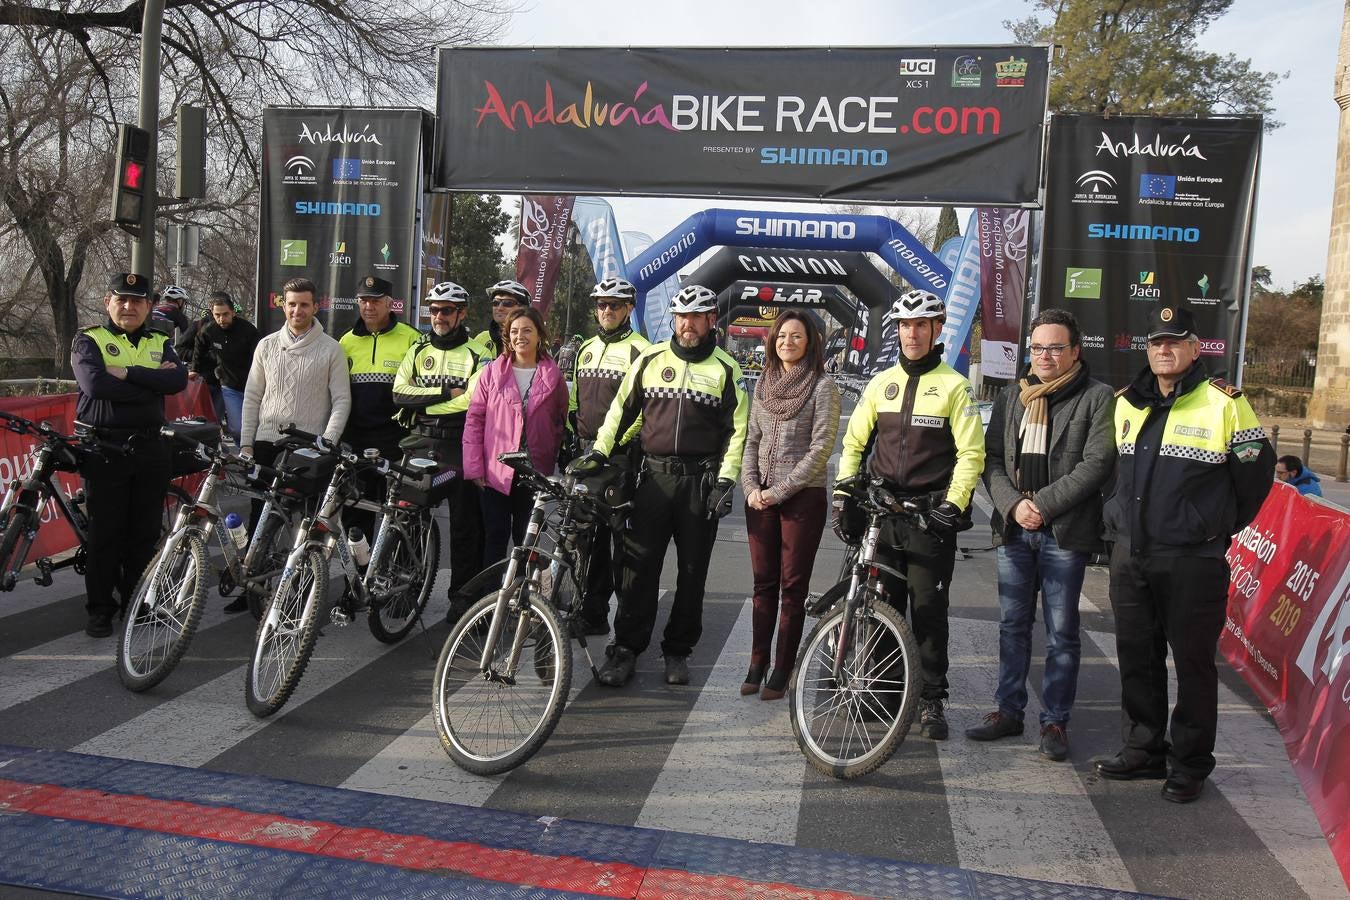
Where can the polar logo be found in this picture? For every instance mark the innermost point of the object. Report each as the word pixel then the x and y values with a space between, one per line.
pixel 767 294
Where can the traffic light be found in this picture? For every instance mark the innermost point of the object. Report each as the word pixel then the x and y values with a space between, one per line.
pixel 130 181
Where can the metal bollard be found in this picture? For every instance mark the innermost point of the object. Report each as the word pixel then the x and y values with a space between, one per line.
pixel 1275 439
pixel 1345 450
pixel 1307 447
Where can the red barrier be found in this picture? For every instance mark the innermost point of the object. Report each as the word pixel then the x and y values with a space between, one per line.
pixel 1288 634
pixel 55 535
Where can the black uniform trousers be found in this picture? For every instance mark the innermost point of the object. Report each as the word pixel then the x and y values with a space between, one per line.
pixel 125 496
pixel 1176 602
pixel 602 572
pixel 927 561
pixel 466 519
pixel 666 506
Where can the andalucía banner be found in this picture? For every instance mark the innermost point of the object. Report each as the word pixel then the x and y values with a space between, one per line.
pixel 1146 209
pixel 895 124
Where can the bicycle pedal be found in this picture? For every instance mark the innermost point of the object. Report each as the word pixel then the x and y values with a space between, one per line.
pixel 340 617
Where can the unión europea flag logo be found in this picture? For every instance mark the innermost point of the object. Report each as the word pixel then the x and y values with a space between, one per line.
pixel 1157 187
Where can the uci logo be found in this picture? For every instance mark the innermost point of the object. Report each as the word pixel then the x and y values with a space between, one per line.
pixel 112 349
pixel 668 374
pixel 892 391
pixel 428 363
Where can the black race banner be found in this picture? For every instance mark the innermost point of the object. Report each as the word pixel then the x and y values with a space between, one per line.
pixel 1142 209
pixel 894 124
pixel 341 191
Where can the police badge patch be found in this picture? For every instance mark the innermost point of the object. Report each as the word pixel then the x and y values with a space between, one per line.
pixel 668 374
pixel 428 363
pixel 586 358
pixel 892 391
pixel 1247 452
pixel 112 349
pixel 1125 430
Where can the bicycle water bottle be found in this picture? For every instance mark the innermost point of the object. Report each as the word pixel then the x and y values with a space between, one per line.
pixel 238 531
pixel 360 547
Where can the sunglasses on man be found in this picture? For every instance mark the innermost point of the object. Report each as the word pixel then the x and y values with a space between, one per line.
pixel 609 304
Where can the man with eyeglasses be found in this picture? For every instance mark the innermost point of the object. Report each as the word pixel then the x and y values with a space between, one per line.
pixel 375 348
pixel 1048 452
pixel 599 367
pixel 1195 467
pixel 432 391
pixel 505 296
pixel 124 369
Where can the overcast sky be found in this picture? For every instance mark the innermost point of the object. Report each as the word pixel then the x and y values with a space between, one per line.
pixel 1300 37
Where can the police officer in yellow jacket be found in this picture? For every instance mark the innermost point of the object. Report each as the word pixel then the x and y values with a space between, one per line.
pixel 124 370
pixel 922 425
pixel 693 408
pixel 1194 468
pixel 504 296
pixel 432 390
pixel 375 348
pixel 600 365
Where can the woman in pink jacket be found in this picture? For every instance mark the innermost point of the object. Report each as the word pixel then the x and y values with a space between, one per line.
pixel 519 403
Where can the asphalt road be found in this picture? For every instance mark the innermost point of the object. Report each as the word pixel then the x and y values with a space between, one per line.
pixel 700 758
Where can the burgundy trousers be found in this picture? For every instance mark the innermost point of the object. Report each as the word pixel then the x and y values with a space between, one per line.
pixel 783 544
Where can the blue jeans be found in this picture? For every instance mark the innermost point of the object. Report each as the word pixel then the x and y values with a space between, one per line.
pixel 234 410
pixel 1030 562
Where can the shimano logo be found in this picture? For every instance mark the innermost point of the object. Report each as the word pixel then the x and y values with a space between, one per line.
pixel 757 226
pixel 1190 235
pixel 321 208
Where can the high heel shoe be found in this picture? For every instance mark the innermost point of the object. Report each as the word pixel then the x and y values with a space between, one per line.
pixel 752 681
pixel 776 687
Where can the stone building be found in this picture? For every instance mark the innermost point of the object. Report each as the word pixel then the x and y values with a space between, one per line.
pixel 1330 404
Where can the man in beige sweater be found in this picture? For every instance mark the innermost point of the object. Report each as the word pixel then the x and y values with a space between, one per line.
pixel 299 376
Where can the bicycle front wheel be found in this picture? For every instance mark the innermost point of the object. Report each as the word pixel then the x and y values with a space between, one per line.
pixel 263 562
pixel 165 611
pixel 850 725
pixel 14 545
pixel 490 722
pixel 407 564
pixel 286 635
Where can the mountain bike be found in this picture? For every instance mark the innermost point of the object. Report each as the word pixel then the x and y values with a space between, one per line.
pixel 291 621
pixel 856 683
pixel 39 497
pixel 167 604
pixel 504 673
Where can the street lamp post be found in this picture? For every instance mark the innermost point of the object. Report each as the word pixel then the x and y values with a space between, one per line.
pixel 143 247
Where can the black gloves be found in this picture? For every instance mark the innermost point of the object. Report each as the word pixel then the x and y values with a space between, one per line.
pixel 587 463
pixel 847 520
pixel 945 519
pixel 719 498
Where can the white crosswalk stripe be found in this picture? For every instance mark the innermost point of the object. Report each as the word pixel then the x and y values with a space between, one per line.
pixel 730 767
pixel 70 658
pixel 735 770
pixel 1254 775
pixel 1013 811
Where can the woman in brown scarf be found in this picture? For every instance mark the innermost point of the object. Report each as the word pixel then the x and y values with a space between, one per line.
pixel 793 424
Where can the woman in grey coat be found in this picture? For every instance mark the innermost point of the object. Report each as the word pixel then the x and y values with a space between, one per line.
pixel 793 424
